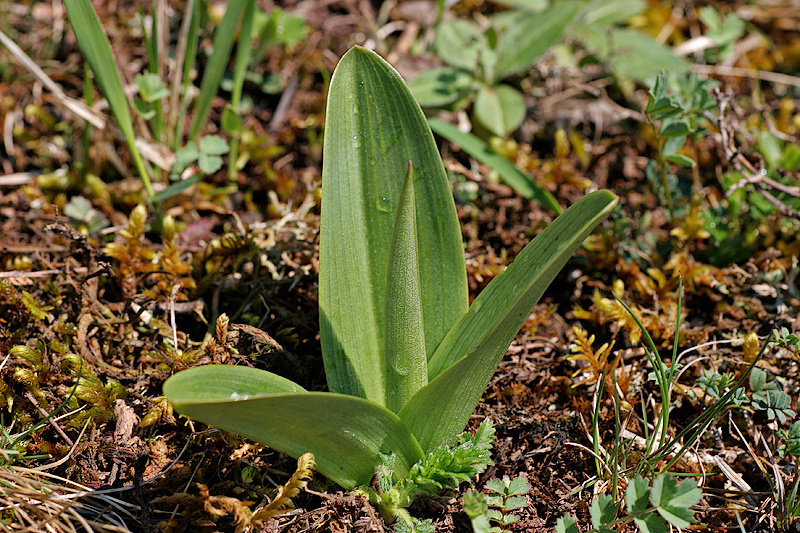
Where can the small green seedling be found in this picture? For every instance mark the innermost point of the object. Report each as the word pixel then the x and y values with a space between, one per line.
pixel 445 468
pixel 406 357
pixel 649 508
pixel 507 495
pixel 768 397
pixel 675 116
pixel 478 59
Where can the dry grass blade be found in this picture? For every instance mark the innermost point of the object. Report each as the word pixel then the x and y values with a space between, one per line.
pixel 30 503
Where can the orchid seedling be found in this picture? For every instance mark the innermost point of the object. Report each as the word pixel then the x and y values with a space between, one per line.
pixel 406 357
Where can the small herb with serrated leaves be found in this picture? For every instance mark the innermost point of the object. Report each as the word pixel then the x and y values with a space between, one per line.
pixel 670 500
pixel 443 468
pixel 507 495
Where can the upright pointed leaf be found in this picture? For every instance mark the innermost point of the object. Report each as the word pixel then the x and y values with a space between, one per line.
pixel 532 35
pixel 407 362
pixel 95 48
pixel 373 129
pixel 464 363
pixel 345 434
pixel 224 36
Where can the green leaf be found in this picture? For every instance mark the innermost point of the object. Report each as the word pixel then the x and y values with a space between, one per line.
pixel 224 36
pixel 633 53
pixel 500 109
pixel 651 523
pixel 231 121
pixel 603 510
pixel 662 108
pixel 673 500
pixel 459 43
pixel 469 354
pixel 213 145
pixel 144 109
pixel 758 378
pixel 151 88
pixel 441 86
pixel 176 188
pixel 97 51
pixel 209 163
pixel 636 495
pixel 280 28
pixel 567 524
pixel 507 171
pixel 681 160
pixel 184 157
pixel 770 147
pixel 496 485
pixel 531 36
pixel 605 13
pixel 519 485
pixel 536 6
pixel 346 434
pixel 515 502
pixel 374 128
pixel 675 129
pixel 673 144
pixel 484 436
pixel 407 368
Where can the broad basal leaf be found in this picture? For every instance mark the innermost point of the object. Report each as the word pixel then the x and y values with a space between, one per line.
pixel 464 363
pixel 373 129
pixel 345 434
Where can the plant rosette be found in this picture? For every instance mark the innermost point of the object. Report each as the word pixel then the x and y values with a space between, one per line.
pixel 406 357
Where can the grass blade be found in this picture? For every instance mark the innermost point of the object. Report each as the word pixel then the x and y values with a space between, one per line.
pixel 97 51
pixel 217 64
pixel 514 177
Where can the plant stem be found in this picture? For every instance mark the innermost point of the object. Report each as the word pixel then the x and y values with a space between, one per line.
pixel 662 162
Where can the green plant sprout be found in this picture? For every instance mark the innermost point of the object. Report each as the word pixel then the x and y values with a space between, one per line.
pixel 678 118
pixel 478 59
pixel 406 357
pixel 445 468
pixel 650 508
pixel 154 89
pixel 785 339
pixel 507 495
